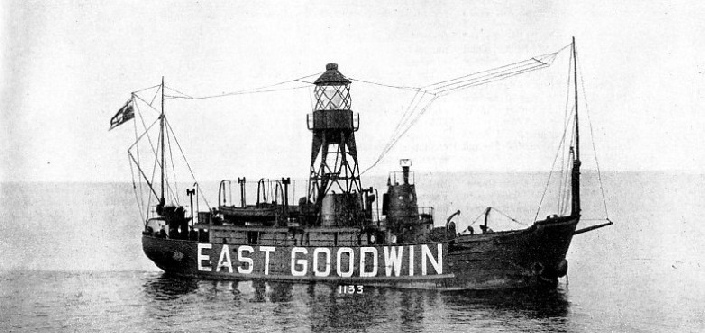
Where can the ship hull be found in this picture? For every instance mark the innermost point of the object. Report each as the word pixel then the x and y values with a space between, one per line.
pixel 532 257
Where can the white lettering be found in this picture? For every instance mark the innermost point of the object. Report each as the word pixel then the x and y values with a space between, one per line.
pixel 249 261
pixel 224 260
pixel 301 262
pixel 426 254
pixel 266 250
pixel 411 260
pixel 363 251
pixel 351 262
pixel 203 257
pixel 392 259
pixel 316 271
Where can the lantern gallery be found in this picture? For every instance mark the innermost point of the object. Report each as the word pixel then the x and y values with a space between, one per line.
pixel 322 262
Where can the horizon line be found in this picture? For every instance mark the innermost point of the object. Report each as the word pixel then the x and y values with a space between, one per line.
pixel 684 172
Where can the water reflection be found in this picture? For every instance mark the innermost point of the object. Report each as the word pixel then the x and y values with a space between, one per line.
pixel 322 307
pixel 281 292
pixel 260 291
pixel 331 310
pixel 520 310
pixel 412 310
pixel 532 303
pixel 166 287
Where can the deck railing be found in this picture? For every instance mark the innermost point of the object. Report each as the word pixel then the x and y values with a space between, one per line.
pixel 269 191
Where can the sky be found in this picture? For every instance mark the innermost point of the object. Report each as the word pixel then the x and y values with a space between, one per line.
pixel 68 66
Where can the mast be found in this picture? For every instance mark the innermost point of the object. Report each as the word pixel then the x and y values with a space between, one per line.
pixel 162 200
pixel 575 175
pixel 575 84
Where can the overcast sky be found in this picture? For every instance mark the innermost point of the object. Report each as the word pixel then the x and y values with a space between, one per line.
pixel 67 67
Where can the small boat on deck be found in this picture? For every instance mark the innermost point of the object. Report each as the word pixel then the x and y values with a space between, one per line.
pixel 337 232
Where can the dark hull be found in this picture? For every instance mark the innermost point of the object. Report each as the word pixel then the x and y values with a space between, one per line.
pixel 532 257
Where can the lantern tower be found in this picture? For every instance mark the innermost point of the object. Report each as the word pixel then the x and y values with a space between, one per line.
pixel 334 167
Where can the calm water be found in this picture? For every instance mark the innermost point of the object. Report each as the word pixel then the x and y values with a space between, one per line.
pixel 72 261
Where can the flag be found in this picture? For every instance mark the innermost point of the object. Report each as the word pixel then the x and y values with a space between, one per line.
pixel 123 115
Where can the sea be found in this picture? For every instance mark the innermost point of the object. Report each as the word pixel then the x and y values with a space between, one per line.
pixel 71 261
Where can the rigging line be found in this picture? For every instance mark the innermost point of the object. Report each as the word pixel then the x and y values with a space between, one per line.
pixel 408 108
pixel 141 172
pixel 143 134
pixel 480 78
pixel 568 195
pixel 565 123
pixel 402 134
pixel 564 195
pixel 564 165
pixel 595 219
pixel 145 102
pixel 547 55
pixel 156 160
pixel 405 117
pixel 146 180
pixel 140 200
pixel 490 73
pixel 468 75
pixel 187 163
pixel 592 134
pixel 567 92
pixel 394 140
pixel 136 144
pixel 531 61
pixel 507 216
pixel 539 61
pixel 559 199
pixel 155 95
pixel 413 122
pixel 307 76
pixel 548 182
pixel 151 187
pixel 477 218
pixel 134 187
pixel 440 93
pixel 244 91
pixel 174 90
pixel 424 99
pixel 154 168
pixel 443 93
pixel 149 138
pixel 547 61
pixel 253 91
pixel 174 195
pixel 417 89
pixel 405 122
pixel 521 69
pixel 152 87
pixel 496 78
